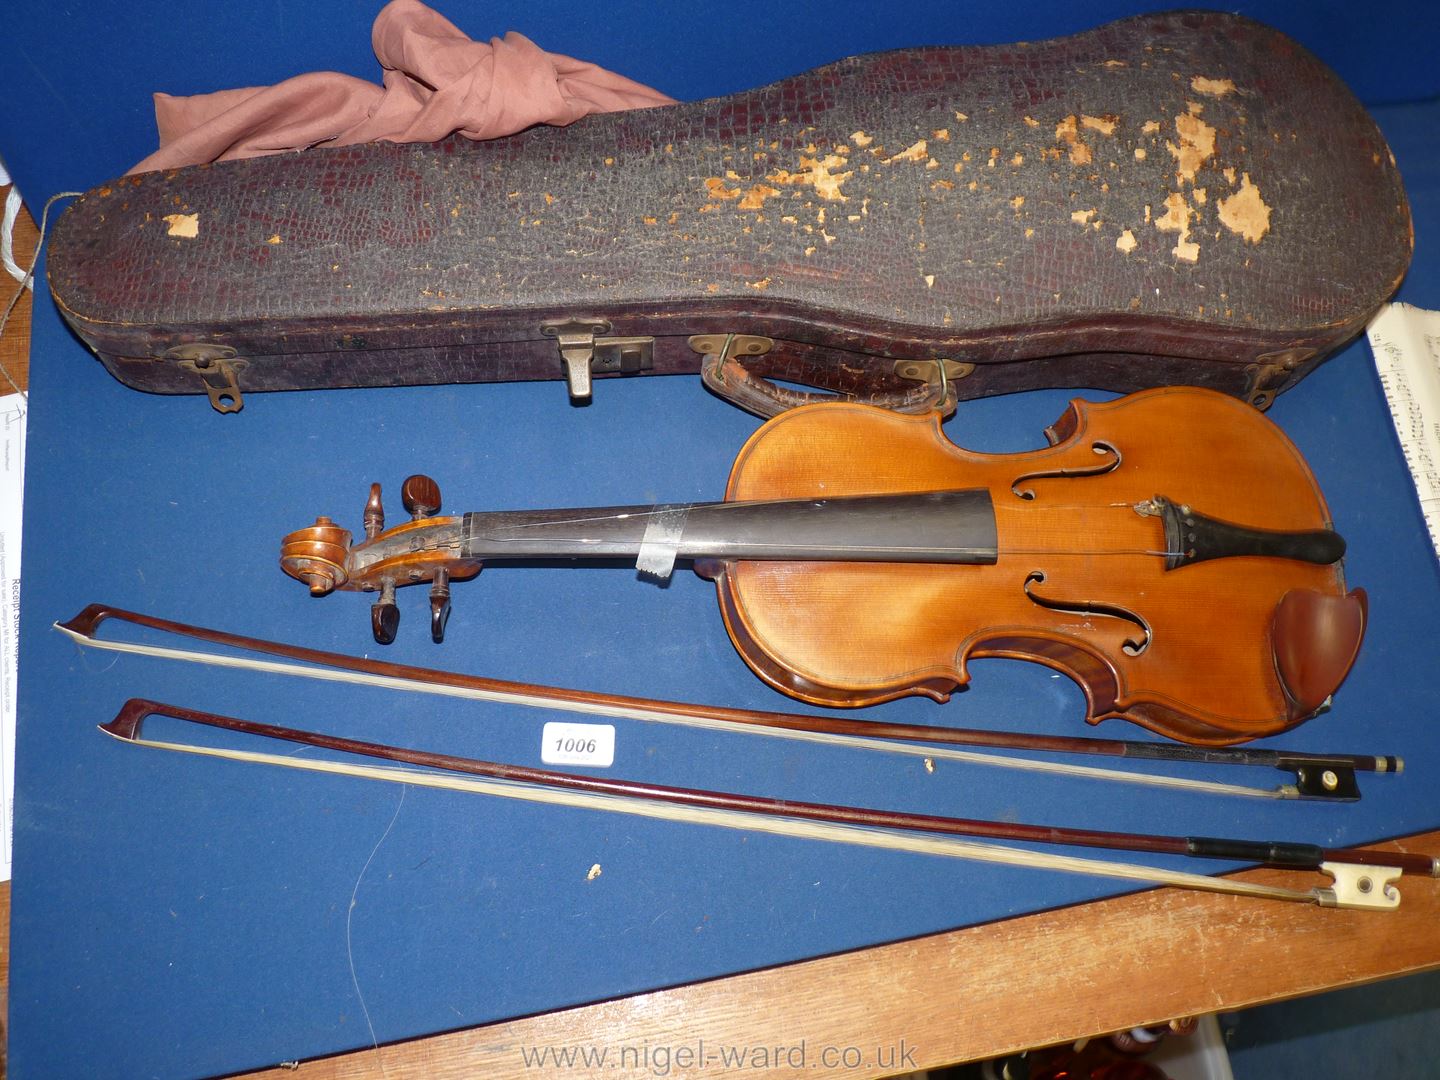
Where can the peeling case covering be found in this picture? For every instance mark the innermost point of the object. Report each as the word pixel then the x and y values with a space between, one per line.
pixel 1179 198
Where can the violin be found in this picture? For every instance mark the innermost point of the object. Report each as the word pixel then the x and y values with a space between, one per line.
pixel 1170 551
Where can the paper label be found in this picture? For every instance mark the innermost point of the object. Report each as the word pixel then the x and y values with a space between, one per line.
pixel 592 745
pixel 1405 341
pixel 12 486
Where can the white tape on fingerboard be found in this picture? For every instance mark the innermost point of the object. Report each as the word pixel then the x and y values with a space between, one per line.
pixel 661 543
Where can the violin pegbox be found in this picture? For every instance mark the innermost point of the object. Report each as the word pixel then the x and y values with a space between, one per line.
pixel 425 548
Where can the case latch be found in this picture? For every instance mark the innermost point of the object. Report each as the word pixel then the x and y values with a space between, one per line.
pixel 584 350
pixel 943 370
pixel 1270 372
pixel 219 370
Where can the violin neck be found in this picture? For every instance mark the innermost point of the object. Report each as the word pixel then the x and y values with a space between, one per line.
pixel 927 527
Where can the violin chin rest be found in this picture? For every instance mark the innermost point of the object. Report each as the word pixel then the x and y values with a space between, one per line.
pixel 1315 637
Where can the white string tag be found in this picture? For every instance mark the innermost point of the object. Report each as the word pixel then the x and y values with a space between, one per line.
pixel 7 239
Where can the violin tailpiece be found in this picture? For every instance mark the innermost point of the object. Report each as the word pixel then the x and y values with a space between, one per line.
pixel 1192 537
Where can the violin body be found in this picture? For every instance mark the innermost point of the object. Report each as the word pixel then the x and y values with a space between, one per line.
pixel 1170 551
pixel 1194 653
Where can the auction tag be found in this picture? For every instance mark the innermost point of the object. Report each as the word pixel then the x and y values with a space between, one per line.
pixel 578 744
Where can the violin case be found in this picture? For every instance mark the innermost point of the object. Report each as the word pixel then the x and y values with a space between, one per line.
pixel 1174 198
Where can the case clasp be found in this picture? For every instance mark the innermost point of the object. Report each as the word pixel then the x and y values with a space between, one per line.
pixel 584 349
pixel 219 370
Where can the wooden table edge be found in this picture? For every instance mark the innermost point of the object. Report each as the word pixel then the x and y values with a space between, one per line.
pixel 968 994
pixel 15 342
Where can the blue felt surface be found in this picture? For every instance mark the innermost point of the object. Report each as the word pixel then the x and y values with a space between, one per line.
pixel 174 916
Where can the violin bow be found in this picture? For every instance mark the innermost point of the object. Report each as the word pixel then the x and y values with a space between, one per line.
pixel 1362 878
pixel 1317 776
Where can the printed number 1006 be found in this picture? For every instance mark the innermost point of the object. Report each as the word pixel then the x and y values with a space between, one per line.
pixel 578 744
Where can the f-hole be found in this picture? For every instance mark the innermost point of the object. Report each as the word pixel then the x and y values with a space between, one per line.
pixel 1131 647
pixel 1111 462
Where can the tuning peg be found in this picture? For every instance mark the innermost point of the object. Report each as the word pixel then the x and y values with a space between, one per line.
pixel 385 615
pixel 420 495
pixel 374 514
pixel 439 605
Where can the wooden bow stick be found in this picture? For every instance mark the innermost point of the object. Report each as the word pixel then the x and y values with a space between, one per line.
pixel 1362 878
pixel 1317 776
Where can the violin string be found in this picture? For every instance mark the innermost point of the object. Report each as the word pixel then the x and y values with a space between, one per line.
pixel 587 519
pixel 1068 506
pixel 841 548
pixel 846 549
pixel 349 927
pixel 660 508
pixel 769 546
pixel 1093 551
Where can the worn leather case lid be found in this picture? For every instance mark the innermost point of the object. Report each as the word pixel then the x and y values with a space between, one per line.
pixel 1180 185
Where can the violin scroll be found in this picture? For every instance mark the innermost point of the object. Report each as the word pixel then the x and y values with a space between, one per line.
pixel 425 548
pixel 317 556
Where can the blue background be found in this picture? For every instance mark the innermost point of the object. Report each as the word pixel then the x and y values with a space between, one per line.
pixel 176 916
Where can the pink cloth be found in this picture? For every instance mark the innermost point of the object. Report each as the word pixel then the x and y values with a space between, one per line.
pixel 437 82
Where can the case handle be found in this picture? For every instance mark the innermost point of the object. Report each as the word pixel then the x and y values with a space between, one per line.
pixel 737 384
